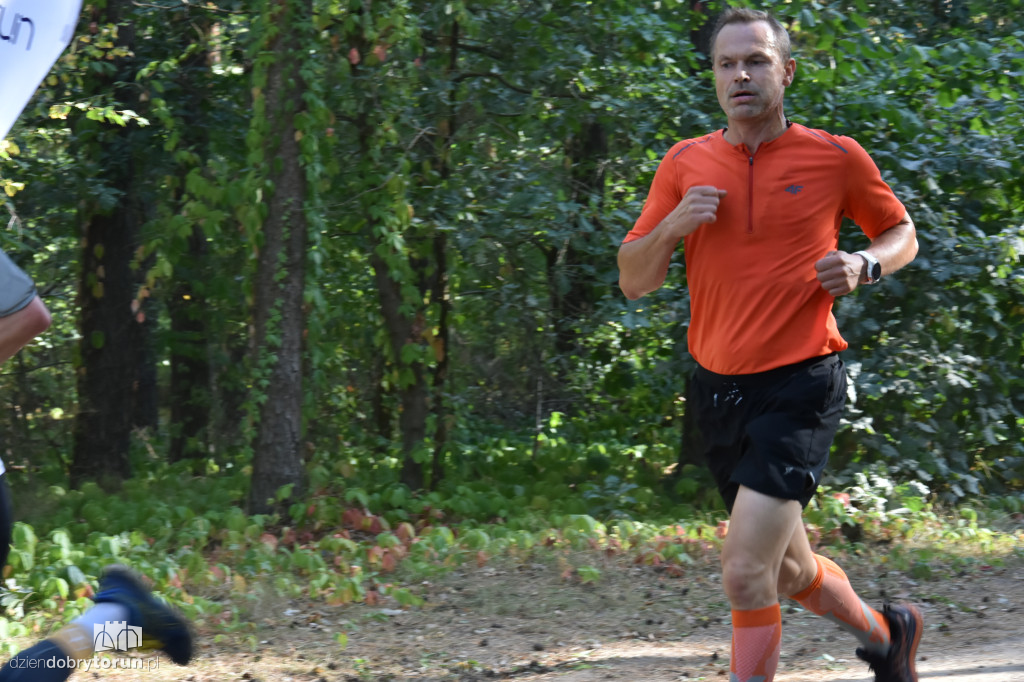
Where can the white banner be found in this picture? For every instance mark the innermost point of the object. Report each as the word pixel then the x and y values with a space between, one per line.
pixel 33 33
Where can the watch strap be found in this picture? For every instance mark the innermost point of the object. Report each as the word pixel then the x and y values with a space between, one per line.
pixel 874 268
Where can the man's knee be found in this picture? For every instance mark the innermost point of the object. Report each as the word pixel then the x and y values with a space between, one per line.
pixel 748 581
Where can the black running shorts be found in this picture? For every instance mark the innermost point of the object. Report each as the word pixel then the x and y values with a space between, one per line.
pixel 770 431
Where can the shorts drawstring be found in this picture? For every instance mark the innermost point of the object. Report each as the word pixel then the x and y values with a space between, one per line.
pixel 732 395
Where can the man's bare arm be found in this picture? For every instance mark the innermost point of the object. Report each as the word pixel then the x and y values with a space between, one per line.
pixel 896 247
pixel 840 272
pixel 19 328
pixel 643 263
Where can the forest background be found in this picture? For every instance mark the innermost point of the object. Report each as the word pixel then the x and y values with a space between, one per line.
pixel 316 263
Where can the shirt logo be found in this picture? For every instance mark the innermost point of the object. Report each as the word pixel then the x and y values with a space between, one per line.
pixel 794 189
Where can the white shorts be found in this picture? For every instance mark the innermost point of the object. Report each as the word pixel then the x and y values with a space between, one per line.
pixel 16 288
pixel 16 291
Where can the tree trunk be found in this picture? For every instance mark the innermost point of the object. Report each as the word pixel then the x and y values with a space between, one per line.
pixel 190 365
pixel 110 347
pixel 147 385
pixel 190 392
pixel 421 266
pixel 413 390
pixel 280 279
pixel 439 401
pixel 439 292
pixel 380 413
pixel 700 36
pixel 571 286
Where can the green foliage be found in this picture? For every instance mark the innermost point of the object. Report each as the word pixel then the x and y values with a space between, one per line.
pixel 416 143
pixel 471 170
pixel 347 544
pixel 936 350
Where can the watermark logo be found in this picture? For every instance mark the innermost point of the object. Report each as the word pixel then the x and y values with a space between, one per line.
pixel 84 664
pixel 116 635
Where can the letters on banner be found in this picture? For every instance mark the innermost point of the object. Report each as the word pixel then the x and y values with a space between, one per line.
pixel 33 33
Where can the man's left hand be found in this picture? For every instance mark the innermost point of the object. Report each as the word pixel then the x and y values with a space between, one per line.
pixel 840 272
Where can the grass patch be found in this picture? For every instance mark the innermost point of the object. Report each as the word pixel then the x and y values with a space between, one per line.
pixel 377 543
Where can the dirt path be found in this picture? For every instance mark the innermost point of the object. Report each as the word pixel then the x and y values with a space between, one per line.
pixel 524 622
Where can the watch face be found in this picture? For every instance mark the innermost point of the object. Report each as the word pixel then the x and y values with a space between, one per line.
pixel 876 271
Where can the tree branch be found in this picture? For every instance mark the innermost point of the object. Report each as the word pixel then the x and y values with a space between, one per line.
pixel 515 88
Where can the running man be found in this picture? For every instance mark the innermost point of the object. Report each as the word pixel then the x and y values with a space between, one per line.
pixel 758 207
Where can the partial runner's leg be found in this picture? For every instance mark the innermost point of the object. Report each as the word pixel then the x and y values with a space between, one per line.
pixel 44 662
pixel 760 528
pixel 888 638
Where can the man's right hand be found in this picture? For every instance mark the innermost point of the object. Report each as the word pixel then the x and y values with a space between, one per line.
pixel 698 206
pixel 643 263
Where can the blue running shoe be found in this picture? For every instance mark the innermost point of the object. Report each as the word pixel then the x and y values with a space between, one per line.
pixel 162 627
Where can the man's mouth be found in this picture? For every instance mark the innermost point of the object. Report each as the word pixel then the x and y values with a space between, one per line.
pixel 742 96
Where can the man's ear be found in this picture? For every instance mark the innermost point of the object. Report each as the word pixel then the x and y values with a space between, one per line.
pixel 790 73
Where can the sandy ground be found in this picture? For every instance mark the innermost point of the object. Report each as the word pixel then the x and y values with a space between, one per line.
pixel 531 622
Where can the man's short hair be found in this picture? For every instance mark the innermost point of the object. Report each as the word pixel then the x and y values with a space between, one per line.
pixel 739 15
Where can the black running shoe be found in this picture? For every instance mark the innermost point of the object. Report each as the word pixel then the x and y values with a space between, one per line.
pixel 162 627
pixel 905 626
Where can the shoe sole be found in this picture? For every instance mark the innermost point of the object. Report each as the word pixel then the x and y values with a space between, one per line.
pixel 918 620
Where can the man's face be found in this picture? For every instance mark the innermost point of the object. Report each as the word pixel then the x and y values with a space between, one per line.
pixel 750 76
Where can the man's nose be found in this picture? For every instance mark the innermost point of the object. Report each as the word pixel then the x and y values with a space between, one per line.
pixel 742 75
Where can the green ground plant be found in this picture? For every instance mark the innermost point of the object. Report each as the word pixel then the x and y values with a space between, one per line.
pixel 366 538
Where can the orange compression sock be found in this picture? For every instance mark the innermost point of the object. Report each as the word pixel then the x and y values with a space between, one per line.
pixel 756 635
pixel 831 595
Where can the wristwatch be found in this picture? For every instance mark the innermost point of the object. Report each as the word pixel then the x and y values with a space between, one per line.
pixel 873 271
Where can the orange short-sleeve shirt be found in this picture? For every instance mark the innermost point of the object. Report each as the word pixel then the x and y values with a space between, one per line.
pixel 755 300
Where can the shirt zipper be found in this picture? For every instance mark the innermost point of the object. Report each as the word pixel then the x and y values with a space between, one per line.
pixel 750 196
